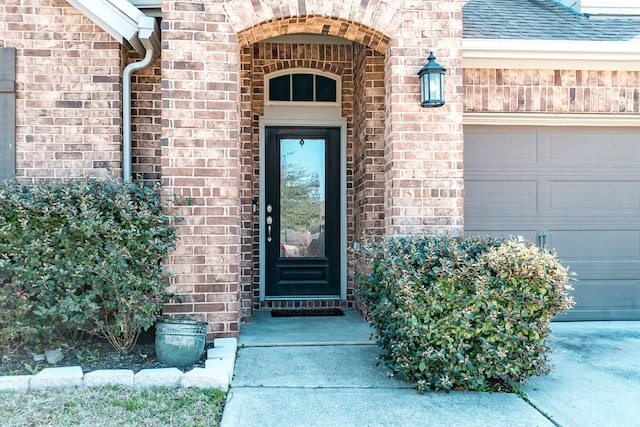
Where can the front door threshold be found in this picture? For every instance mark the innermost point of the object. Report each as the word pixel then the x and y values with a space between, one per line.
pixel 304 298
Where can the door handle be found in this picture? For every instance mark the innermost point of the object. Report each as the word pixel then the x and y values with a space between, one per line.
pixel 542 237
pixel 269 222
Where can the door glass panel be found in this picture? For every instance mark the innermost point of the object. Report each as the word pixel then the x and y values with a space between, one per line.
pixel 302 197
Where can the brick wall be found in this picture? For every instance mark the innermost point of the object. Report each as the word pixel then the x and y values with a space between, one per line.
pixel 68 90
pixel 368 174
pixel 250 189
pixel 146 122
pixel 423 151
pixel 404 162
pixel 552 91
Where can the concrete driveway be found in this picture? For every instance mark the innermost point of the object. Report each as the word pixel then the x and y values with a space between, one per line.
pixel 596 380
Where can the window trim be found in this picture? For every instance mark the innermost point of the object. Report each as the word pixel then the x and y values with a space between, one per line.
pixel 291 71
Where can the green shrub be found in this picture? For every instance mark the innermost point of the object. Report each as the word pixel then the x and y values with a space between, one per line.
pixel 463 312
pixel 15 309
pixel 88 253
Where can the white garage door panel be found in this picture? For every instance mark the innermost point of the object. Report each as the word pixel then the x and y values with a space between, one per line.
pixel 604 271
pixel 514 147
pixel 619 294
pixel 596 245
pixel 581 187
pixel 591 296
pixel 500 195
pixel 596 196
pixel 587 147
pixel 530 235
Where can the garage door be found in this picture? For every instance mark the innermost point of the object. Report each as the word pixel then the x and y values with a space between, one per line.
pixel 575 189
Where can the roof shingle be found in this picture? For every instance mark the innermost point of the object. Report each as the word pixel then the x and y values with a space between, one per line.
pixel 540 20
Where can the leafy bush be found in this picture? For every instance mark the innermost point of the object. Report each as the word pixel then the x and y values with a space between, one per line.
pixel 15 308
pixel 463 312
pixel 88 253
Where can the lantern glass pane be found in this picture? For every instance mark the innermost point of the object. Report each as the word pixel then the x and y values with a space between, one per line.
pixel 434 87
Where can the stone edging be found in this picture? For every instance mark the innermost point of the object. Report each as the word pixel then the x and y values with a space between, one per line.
pixel 217 373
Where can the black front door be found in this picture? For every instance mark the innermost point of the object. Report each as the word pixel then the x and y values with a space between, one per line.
pixel 302 212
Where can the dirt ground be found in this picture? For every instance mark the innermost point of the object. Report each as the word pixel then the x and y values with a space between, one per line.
pixel 91 354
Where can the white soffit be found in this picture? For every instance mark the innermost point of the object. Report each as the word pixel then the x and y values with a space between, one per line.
pixel 551 54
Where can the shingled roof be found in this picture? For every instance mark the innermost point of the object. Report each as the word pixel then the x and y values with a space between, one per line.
pixel 541 20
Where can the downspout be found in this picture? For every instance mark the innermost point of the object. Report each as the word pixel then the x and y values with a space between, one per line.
pixel 126 110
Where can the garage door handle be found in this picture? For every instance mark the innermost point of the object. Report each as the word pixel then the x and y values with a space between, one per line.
pixel 542 238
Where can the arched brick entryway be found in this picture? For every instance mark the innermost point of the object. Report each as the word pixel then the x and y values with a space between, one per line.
pixel 410 159
pixel 361 69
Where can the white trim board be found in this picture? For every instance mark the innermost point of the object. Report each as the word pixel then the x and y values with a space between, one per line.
pixel 551 119
pixel 551 54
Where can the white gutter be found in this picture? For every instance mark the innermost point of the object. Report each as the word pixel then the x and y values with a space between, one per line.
pixel 119 18
pixel 551 54
pixel 128 25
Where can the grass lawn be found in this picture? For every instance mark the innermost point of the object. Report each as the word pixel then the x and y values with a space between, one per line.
pixel 112 406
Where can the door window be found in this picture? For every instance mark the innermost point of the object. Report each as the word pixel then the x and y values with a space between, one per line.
pixel 302 197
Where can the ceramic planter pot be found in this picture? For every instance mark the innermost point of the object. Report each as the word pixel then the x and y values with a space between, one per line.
pixel 180 342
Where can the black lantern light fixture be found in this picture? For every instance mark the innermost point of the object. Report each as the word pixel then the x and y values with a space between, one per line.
pixel 432 83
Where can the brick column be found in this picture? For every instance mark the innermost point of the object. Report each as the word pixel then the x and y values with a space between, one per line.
pixel 200 164
pixel 368 169
pixel 423 151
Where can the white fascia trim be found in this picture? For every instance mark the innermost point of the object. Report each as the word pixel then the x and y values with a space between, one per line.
pixel 552 119
pixel 123 21
pixel 146 3
pixel 551 54
pixel 609 7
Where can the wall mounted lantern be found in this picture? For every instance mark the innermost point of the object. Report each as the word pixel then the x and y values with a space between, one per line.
pixel 432 83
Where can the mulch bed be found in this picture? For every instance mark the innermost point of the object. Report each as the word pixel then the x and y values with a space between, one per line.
pixel 91 354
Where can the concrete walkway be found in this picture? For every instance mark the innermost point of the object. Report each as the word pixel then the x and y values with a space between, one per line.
pixel 323 371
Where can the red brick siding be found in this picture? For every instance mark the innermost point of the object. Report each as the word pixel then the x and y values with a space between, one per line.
pixel 69 124
pixel 552 91
pixel 146 122
pixel 68 111
pixel 368 174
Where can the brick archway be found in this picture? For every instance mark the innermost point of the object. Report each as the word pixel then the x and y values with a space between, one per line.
pixel 320 25
pixel 208 121
pixel 287 64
